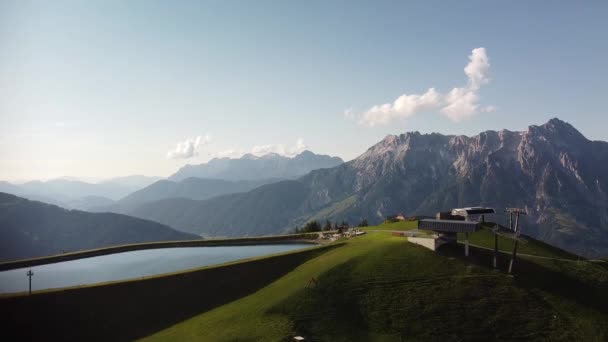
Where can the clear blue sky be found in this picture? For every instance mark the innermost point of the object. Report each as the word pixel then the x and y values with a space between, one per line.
pixel 107 88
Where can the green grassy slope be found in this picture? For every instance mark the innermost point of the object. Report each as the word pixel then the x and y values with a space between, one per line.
pixel 335 210
pixel 399 225
pixel 250 314
pixel 485 238
pixel 380 287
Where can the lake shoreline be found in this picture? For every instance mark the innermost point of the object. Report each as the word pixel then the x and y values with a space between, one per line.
pixel 129 310
pixel 265 240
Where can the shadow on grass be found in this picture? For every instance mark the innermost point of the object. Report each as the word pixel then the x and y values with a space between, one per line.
pixel 538 275
pixel 404 300
pixel 130 310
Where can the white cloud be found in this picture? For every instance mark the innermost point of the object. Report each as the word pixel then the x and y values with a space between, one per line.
pixel 260 150
pixel 458 104
pixel 265 149
pixel 463 103
pixel 228 154
pixel 281 149
pixel 403 107
pixel 299 148
pixel 477 69
pixel 188 148
pixel 349 114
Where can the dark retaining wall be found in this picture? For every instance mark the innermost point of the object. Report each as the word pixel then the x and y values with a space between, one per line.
pixel 132 309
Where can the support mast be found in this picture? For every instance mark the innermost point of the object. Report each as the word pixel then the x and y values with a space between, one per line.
pixel 516 231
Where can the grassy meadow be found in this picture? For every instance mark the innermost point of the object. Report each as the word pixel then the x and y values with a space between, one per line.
pixel 380 287
pixel 399 225
pixel 485 238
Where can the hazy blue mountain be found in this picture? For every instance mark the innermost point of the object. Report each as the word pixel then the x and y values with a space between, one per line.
pixel 9 188
pixel 262 211
pixel 250 167
pixel 65 190
pixel 552 170
pixel 33 229
pixel 19 191
pixel 192 188
pixel 134 181
pixel 75 194
pixel 88 203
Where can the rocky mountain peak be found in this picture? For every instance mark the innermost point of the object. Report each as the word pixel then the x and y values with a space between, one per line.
pixel 305 155
pixel 391 144
pixel 271 155
pixel 249 156
pixel 557 130
pixel 551 169
pixel 557 124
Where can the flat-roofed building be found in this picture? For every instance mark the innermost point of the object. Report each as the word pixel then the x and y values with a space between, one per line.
pixel 398 217
pixel 450 226
pixel 447 230
pixel 447 215
pixel 469 212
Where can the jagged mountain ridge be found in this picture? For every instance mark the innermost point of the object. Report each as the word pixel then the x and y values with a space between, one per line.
pixel 552 170
pixel 250 167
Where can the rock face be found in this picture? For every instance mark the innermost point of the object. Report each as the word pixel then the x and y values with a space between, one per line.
pixel 552 170
pixel 250 167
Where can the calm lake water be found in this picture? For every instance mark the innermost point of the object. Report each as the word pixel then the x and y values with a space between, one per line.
pixel 131 265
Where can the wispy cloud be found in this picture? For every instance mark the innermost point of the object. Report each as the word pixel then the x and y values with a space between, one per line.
pixel 349 114
pixel 403 107
pixel 459 104
pixel 463 103
pixel 281 149
pixel 230 153
pixel 188 148
pixel 260 150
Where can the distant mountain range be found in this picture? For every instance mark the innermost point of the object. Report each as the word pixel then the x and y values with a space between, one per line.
pixel 552 170
pixel 192 188
pixel 228 176
pixel 217 177
pixel 250 167
pixel 65 190
pixel 76 194
pixel 134 181
pixel 32 229
pixel 266 210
